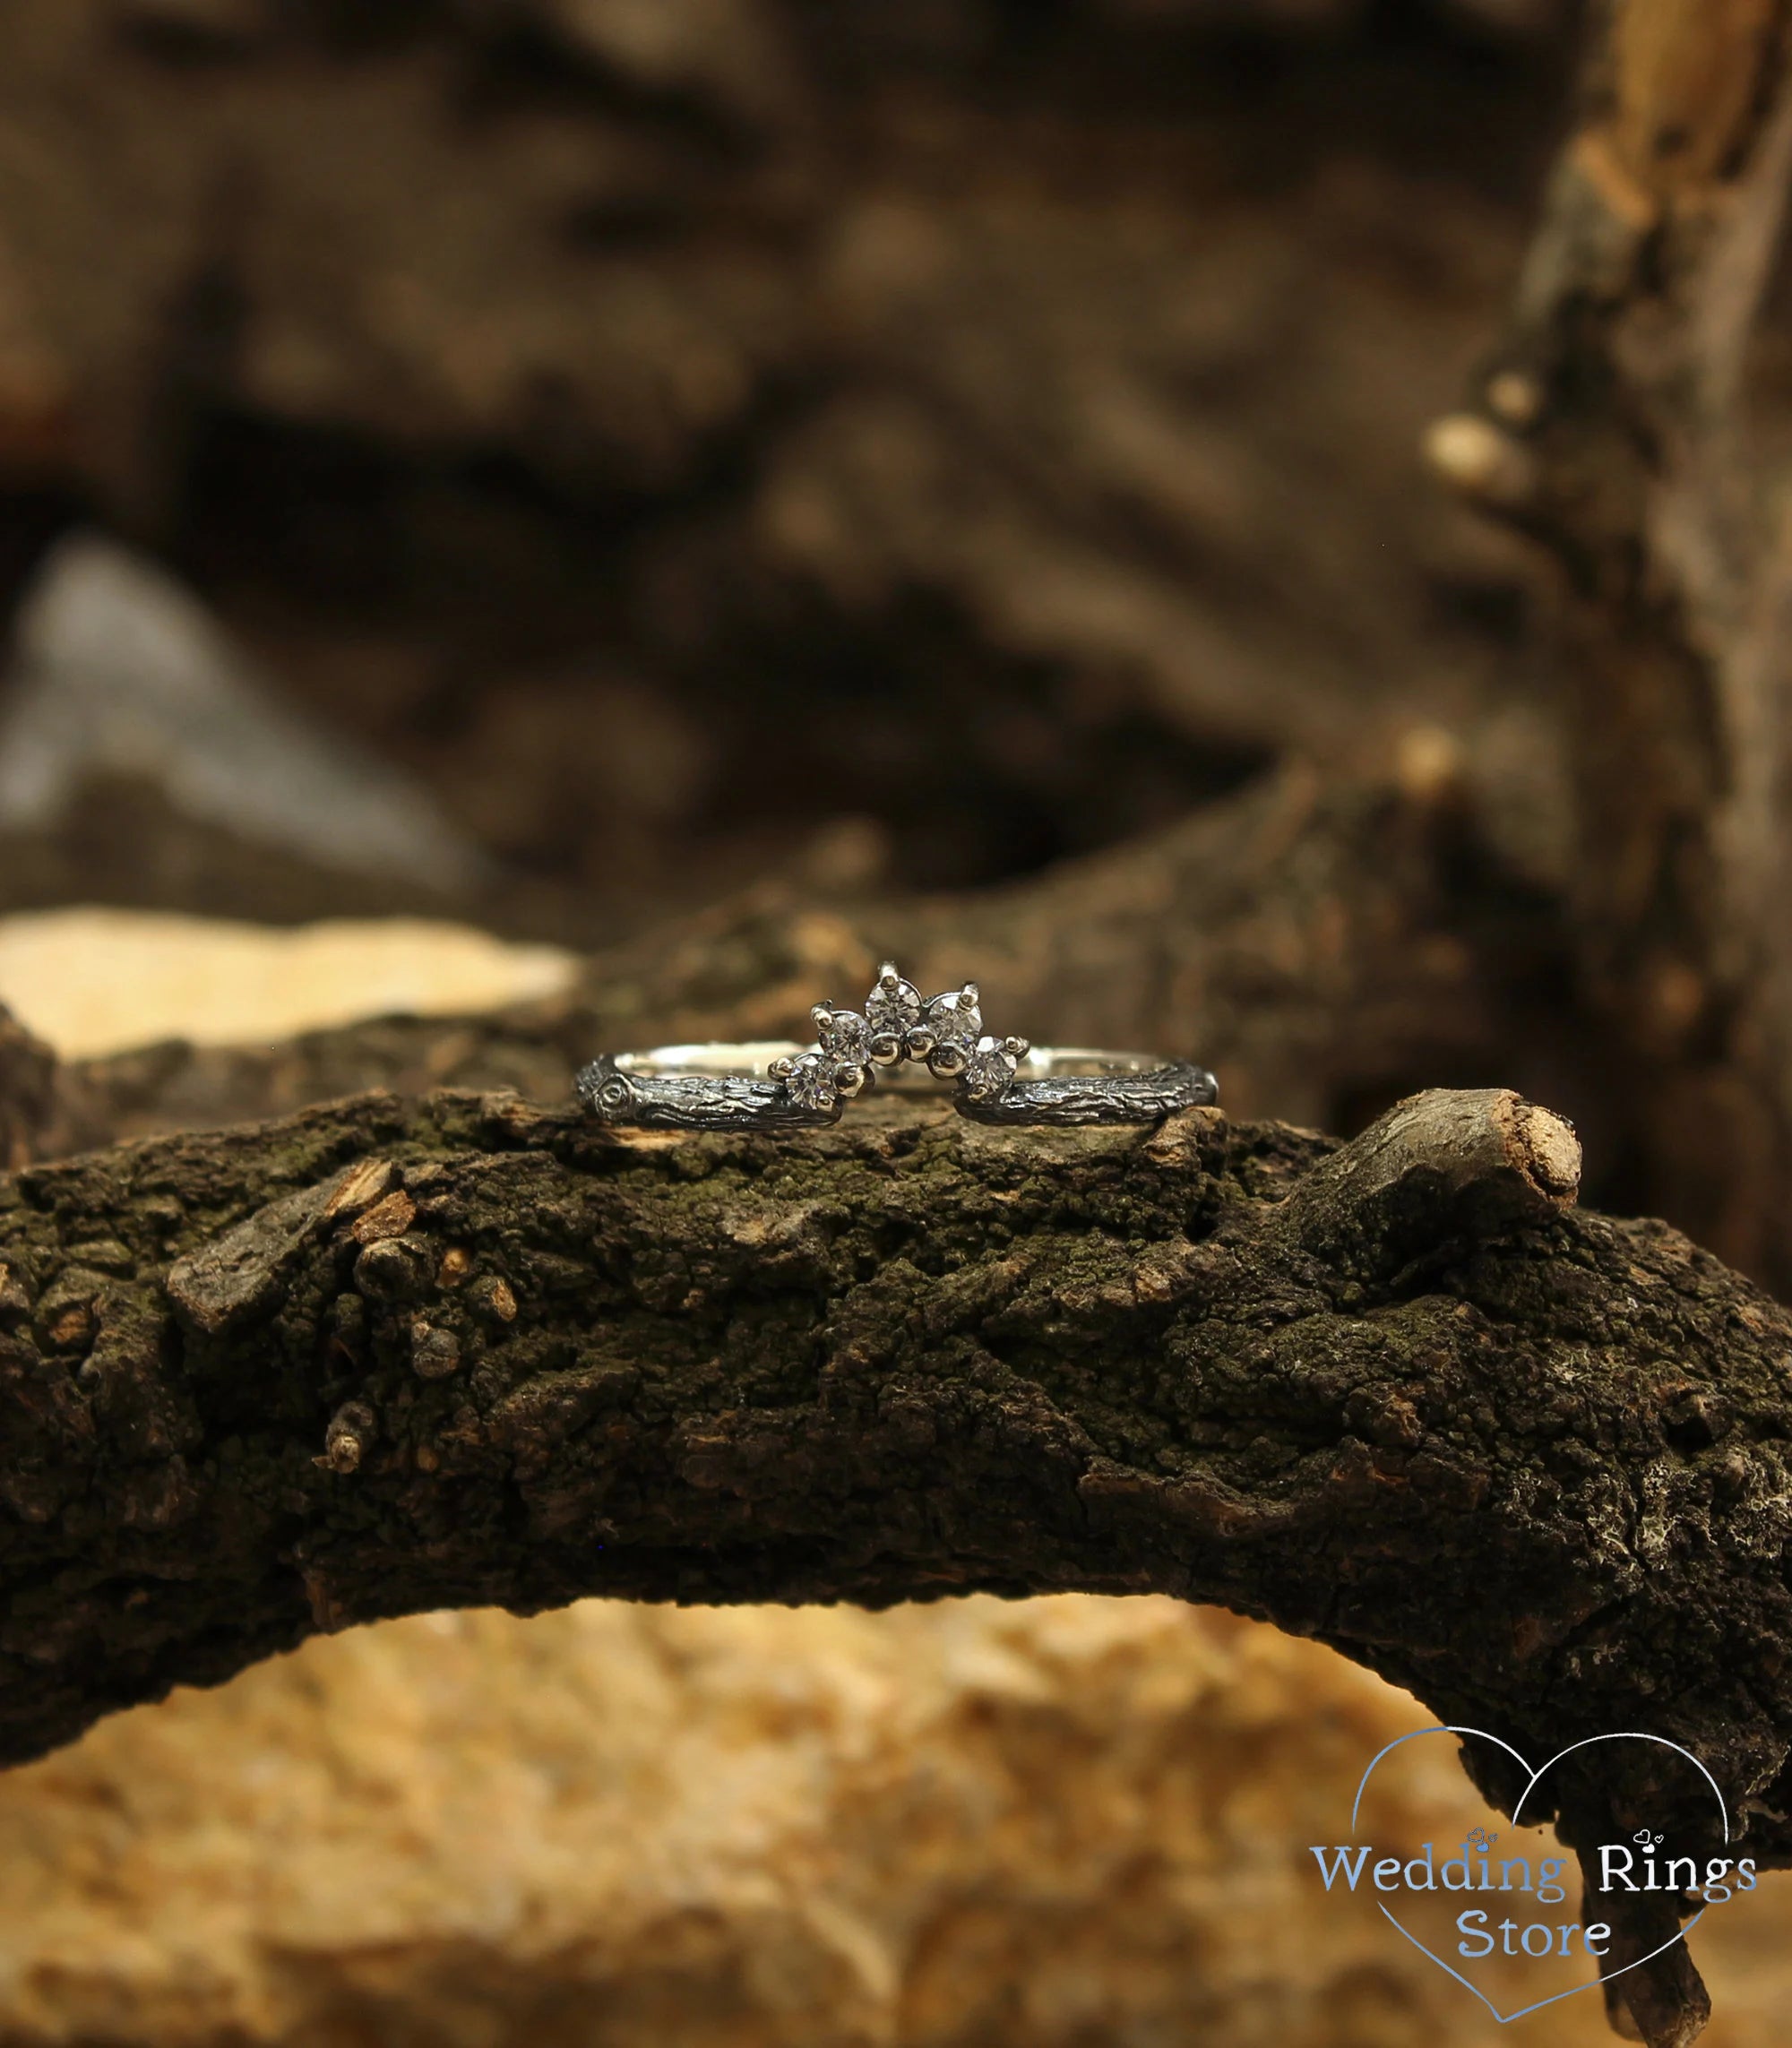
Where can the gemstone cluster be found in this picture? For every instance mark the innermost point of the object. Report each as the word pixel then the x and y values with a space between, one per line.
pixel 946 1032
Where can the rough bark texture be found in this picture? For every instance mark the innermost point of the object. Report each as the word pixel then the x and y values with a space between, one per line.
pixel 1611 422
pixel 1528 1461
pixel 31 1094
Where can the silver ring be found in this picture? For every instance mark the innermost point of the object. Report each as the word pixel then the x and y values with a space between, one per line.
pixel 1076 1084
pixel 900 1040
pixel 698 1088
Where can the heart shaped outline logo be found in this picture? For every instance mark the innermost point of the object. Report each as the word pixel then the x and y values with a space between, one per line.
pixel 1617 1736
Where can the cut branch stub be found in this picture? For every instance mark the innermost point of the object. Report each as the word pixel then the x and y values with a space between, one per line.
pixel 1443 1166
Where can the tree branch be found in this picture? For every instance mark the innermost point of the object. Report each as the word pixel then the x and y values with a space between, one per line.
pixel 1399 1396
pixel 1610 423
pixel 30 1096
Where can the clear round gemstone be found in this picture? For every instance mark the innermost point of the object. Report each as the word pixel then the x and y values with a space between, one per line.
pixel 890 1012
pixel 811 1081
pixel 989 1069
pixel 846 1038
pixel 952 1026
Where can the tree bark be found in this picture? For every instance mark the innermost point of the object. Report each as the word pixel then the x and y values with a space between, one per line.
pixel 30 1096
pixel 1400 1396
pixel 1610 422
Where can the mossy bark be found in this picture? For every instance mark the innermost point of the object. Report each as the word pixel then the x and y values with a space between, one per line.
pixel 1399 1396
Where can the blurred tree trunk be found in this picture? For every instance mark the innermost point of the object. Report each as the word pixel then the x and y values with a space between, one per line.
pixel 1611 422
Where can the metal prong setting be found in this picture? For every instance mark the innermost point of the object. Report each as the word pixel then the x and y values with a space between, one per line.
pixel 991 1066
pixel 945 1031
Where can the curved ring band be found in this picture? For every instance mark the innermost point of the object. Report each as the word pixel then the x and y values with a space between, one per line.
pixel 725 1088
pixel 904 1039
pixel 1071 1085
pixel 698 1088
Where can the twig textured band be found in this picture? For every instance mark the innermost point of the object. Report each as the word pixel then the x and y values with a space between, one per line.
pixel 906 1042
